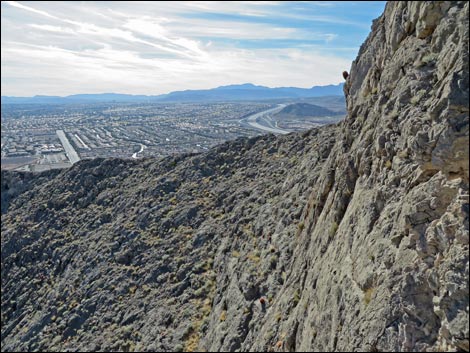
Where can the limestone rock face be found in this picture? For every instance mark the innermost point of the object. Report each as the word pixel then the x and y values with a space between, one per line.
pixel 353 237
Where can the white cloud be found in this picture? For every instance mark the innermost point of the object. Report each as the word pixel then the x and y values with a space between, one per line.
pixel 49 28
pixel 106 70
pixel 151 49
pixel 28 8
pixel 234 30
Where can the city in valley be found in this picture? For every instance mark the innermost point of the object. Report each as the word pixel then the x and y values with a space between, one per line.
pixel 37 137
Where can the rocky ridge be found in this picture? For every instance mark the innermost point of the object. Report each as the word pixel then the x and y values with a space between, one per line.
pixel 352 237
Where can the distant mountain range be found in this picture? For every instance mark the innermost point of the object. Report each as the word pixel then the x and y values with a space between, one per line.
pixel 241 92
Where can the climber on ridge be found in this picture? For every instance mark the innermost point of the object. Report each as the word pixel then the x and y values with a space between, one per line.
pixel 346 86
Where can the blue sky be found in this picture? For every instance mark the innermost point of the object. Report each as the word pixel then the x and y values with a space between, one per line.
pixel 62 48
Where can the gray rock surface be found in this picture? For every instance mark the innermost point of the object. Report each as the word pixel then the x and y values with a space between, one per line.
pixel 352 237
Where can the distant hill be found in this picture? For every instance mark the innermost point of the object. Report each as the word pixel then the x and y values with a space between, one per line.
pixel 78 98
pixel 241 92
pixel 305 110
pixel 249 91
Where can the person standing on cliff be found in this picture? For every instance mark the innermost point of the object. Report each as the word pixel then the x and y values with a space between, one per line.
pixel 346 85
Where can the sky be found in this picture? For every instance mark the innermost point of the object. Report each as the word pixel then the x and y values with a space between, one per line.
pixel 139 47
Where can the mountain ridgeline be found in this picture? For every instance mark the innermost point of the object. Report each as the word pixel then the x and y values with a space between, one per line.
pixel 244 92
pixel 349 237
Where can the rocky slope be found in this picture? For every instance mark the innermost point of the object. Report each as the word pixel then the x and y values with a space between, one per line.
pixel 348 237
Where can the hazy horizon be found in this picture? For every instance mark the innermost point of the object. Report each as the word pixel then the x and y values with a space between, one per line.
pixel 137 94
pixel 152 48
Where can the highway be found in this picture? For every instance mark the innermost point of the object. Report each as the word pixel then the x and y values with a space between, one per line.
pixel 263 121
pixel 69 150
pixel 142 147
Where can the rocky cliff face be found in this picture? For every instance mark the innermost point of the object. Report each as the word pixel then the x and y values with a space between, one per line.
pixel 348 237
